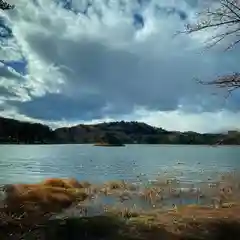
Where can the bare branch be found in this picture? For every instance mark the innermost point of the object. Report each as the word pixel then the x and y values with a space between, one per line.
pixel 232 10
pixel 207 24
pixel 230 82
pixel 225 18
pixel 232 44
pixel 219 37
pixel 234 3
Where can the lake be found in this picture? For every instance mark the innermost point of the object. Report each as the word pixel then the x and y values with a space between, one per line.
pixel 33 163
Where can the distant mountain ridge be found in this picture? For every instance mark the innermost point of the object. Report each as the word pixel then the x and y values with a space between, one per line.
pixel 14 131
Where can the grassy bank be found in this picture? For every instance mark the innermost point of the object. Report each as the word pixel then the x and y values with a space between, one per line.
pixel 31 211
pixel 189 223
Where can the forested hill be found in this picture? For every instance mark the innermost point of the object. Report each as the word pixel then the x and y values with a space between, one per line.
pixel 14 131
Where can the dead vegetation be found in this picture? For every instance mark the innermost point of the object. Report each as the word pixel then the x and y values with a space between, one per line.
pixel 28 208
pixel 190 222
pixel 52 195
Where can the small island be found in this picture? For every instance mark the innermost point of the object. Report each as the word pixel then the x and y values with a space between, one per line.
pixel 109 145
pixel 109 140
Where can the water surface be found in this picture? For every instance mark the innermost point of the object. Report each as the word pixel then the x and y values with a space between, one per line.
pixel 32 163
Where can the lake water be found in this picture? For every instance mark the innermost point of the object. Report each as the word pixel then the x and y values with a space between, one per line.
pixel 32 163
pixel 194 167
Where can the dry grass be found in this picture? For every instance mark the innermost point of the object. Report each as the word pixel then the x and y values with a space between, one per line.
pixel 61 183
pixel 189 222
pixel 113 185
pixel 120 185
pixel 52 195
pixel 28 205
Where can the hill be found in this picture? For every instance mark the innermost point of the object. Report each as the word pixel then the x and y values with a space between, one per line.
pixel 14 131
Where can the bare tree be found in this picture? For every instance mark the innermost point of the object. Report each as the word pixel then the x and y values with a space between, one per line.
pixel 5 6
pixel 223 17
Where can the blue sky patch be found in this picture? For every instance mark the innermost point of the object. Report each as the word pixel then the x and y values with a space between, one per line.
pixel 18 66
pixel 138 20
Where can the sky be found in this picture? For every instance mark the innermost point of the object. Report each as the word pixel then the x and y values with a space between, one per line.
pixel 88 61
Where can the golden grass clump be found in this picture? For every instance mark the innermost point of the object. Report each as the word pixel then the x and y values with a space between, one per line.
pixel 52 195
pixel 62 183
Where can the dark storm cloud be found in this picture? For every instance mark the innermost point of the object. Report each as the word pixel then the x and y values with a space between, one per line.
pixel 109 68
pixel 62 107
pixel 4 92
pixel 172 11
pixel 99 76
pixel 121 77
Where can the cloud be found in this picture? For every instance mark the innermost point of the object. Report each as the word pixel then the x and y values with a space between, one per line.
pixel 223 120
pixel 88 60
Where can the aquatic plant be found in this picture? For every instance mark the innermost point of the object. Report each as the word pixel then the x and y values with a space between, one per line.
pixel 112 185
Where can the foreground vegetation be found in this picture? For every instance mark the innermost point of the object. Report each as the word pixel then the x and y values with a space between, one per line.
pixel 114 133
pixel 61 209
pixel 114 227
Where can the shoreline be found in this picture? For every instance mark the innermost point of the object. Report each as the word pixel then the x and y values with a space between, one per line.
pixel 127 144
pixel 73 206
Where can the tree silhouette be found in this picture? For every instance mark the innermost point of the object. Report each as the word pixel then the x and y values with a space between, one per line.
pixel 111 138
pixel 5 31
pixel 224 18
pixel 5 6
